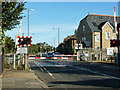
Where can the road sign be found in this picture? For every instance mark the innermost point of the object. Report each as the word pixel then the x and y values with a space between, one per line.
pixel 22 50
pixel 80 46
pixel 110 51
pixel 114 43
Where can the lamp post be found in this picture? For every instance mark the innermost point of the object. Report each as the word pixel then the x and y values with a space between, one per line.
pixel 28 35
pixel 28 19
pixel 58 35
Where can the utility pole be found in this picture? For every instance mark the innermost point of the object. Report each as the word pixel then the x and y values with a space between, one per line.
pixel 58 36
pixel 54 44
pixel 28 22
pixel 117 35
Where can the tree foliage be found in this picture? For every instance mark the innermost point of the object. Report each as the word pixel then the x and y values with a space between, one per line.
pixel 35 48
pixel 9 45
pixel 11 14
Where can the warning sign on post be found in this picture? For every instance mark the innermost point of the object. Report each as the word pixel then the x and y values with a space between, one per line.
pixel 22 50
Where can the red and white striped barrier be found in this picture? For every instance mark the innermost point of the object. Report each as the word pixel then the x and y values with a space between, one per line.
pixel 52 58
pixel 66 55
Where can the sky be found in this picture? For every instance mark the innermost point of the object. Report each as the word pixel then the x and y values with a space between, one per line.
pixel 63 15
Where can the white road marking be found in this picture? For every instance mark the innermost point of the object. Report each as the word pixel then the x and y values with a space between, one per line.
pixel 46 70
pixel 98 73
pixel 39 66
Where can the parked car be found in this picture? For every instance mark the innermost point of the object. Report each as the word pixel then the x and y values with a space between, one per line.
pixel 44 55
pixel 49 54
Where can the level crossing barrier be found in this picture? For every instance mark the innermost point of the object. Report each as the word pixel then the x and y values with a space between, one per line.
pixel 55 57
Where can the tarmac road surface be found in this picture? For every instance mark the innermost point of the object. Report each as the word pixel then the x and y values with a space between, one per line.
pixel 70 74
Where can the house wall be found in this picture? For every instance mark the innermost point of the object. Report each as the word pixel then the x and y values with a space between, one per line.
pixel 105 42
pixel 87 33
pixel 73 45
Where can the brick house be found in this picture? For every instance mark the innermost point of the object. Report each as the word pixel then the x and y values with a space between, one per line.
pixel 68 42
pixel 96 30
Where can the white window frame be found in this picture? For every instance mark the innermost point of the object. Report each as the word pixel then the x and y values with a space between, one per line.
pixel 107 35
pixel 97 38
pixel 83 27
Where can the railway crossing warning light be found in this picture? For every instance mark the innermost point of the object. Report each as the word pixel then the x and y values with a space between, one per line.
pixel 114 43
pixel 25 41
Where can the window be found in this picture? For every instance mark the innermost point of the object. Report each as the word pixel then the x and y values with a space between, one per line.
pixel 83 38
pixel 96 38
pixel 83 27
pixel 94 23
pixel 107 35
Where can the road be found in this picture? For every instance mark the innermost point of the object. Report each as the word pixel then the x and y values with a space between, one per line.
pixel 70 74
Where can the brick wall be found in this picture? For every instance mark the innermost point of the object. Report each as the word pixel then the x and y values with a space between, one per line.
pixel 106 42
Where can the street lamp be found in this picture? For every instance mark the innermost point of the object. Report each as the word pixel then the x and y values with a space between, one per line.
pixel 58 35
pixel 28 19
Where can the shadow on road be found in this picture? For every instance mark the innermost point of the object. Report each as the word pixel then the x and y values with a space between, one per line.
pixel 97 82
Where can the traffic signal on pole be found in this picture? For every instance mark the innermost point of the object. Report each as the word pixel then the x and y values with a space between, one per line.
pixel 114 43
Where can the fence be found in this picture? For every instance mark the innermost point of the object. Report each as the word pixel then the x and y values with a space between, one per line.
pixel 93 54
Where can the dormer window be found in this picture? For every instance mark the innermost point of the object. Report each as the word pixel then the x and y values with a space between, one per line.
pixel 83 27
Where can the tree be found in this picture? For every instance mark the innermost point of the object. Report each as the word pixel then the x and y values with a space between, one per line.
pixel 9 45
pixel 11 14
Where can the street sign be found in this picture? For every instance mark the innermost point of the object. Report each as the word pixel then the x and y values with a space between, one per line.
pixel 22 50
pixel 80 46
pixel 114 43
pixel 110 51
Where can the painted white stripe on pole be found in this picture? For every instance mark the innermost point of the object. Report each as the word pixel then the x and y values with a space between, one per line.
pixel 115 20
pixel 20 26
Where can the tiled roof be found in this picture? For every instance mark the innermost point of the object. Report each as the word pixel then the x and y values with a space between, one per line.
pixel 96 21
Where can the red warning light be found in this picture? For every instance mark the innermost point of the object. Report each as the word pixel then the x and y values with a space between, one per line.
pixel 113 41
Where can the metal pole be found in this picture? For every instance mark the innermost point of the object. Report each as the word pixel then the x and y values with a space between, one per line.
pixel 28 22
pixel 58 36
pixel 54 44
pixel 25 61
pixel 14 61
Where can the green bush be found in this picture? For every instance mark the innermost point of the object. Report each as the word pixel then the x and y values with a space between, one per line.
pixel 7 66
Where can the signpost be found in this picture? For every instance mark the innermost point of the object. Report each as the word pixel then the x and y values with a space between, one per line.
pixel 110 51
pixel 78 46
pixel 22 43
pixel 22 50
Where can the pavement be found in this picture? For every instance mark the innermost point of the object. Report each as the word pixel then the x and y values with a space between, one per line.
pixel 21 79
pixel 0 82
